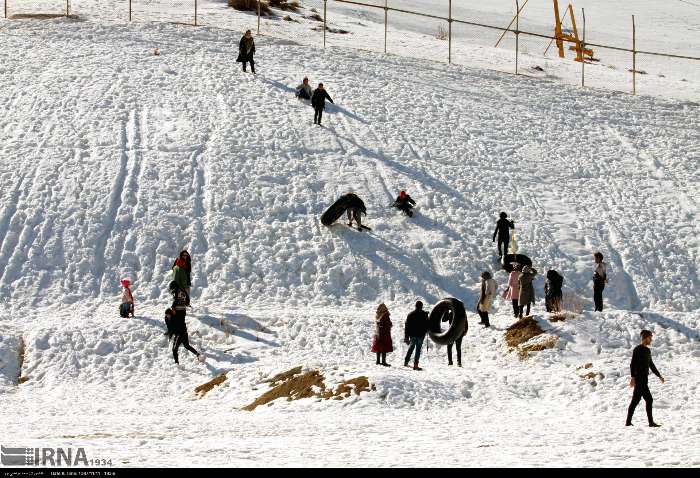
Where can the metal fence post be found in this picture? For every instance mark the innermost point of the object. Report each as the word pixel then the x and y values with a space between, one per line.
pixel 258 17
pixel 325 4
pixel 5 8
pixel 449 33
pixel 634 58
pixel 386 21
pixel 583 46
pixel 67 8
pixel 129 10
pixel 517 34
pixel 195 12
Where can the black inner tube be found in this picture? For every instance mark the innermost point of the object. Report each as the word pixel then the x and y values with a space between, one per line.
pixel 459 321
pixel 507 262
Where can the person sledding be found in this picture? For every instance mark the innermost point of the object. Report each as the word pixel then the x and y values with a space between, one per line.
pixel 126 309
pixel 304 90
pixel 318 101
pixel 502 231
pixel 350 203
pixel 405 203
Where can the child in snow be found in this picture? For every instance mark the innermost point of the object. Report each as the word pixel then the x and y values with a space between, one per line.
pixel 552 291
pixel 405 203
pixel 304 91
pixel 127 306
pixel 527 291
pixel 600 278
pixel 178 327
pixel 502 231
pixel 488 293
pixel 318 101
pixel 382 344
pixel 512 293
pixel 246 50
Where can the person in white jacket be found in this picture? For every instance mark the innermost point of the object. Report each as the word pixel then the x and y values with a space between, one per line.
pixel 488 293
pixel 304 91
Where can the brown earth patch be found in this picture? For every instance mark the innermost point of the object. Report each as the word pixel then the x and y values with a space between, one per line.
pixel 207 387
pixel 522 331
pixel 524 351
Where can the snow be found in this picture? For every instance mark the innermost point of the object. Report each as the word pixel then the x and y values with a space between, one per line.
pixel 114 159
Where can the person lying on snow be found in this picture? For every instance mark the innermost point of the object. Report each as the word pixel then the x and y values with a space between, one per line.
pixel 405 203
pixel 304 91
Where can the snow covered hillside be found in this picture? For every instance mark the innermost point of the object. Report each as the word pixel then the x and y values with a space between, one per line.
pixel 113 159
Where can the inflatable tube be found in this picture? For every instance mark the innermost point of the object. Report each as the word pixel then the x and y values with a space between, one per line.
pixel 459 321
pixel 337 209
pixel 507 263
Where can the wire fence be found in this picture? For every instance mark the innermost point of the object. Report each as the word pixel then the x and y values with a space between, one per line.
pixel 426 30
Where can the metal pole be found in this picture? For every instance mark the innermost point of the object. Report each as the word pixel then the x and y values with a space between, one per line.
pixel 386 21
pixel 195 12
pixel 449 29
pixel 517 34
pixel 634 58
pixel 325 4
pixel 258 17
pixel 67 8
pixel 129 10
pixel 5 8
pixel 583 46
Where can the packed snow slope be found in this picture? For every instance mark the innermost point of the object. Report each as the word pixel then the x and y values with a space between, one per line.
pixel 113 159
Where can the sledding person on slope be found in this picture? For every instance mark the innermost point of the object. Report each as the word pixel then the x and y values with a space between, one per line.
pixel 246 50
pixel 178 327
pixel 404 203
pixel 318 101
pixel 488 293
pixel 552 291
pixel 185 256
pixel 639 370
pixel 381 343
pixel 126 308
pixel 502 231
pixel 304 91
pixel 415 328
pixel 527 291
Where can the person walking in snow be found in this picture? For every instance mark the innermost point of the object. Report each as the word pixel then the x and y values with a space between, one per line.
pixel 600 278
pixel 502 232
pixel 457 343
pixel 185 256
pixel 512 292
pixel 527 291
pixel 404 203
pixel 178 326
pixel 246 50
pixel 381 344
pixel 180 276
pixel 639 371
pixel 126 308
pixel 415 328
pixel 318 101
pixel 488 294
pixel 552 291
pixel 304 91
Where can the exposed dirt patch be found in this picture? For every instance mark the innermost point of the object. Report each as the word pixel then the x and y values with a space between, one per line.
pixel 561 316
pixel 41 16
pixel 525 350
pixel 206 387
pixel 587 365
pixel 295 385
pixel 522 331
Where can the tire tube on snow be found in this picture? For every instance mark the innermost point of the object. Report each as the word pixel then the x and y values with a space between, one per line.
pixel 459 321
pixel 336 210
pixel 508 259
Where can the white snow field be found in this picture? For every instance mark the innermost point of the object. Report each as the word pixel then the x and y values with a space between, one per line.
pixel 113 159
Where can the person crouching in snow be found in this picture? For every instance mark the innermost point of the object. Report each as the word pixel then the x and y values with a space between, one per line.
pixel 127 306
pixel 488 293
pixel 381 345
pixel 318 101
pixel 304 91
pixel 405 203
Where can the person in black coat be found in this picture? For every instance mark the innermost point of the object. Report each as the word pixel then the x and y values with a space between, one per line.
pixel 246 50
pixel 355 209
pixel 405 203
pixel 502 231
pixel 414 333
pixel 178 328
pixel 552 291
pixel 639 370
pixel 318 101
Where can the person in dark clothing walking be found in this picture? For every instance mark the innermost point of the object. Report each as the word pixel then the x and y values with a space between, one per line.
pixel 246 50
pixel 318 101
pixel 405 203
pixel 639 370
pixel 502 231
pixel 552 291
pixel 457 342
pixel 600 278
pixel 414 333
pixel 178 328
pixel 355 209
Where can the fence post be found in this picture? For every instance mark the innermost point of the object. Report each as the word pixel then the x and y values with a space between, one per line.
pixel 386 21
pixel 634 58
pixel 517 34
pixel 195 12
pixel 583 46
pixel 325 4
pixel 5 8
pixel 129 10
pixel 258 17
pixel 449 33
pixel 67 8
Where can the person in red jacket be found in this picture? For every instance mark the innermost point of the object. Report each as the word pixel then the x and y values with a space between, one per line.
pixel 127 307
pixel 381 345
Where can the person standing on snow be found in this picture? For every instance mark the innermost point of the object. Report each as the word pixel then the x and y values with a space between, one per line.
pixel 512 293
pixel 639 370
pixel 415 328
pixel 246 50
pixel 355 209
pixel 185 256
pixel 178 327
pixel 318 101
pixel 502 231
pixel 600 278
pixel 304 91
pixel 127 306
pixel 405 203
pixel 527 291
pixel 488 293
pixel 180 277
pixel 457 342
pixel 381 344
pixel 552 291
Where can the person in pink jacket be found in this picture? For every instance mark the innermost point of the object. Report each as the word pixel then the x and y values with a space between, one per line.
pixel 512 292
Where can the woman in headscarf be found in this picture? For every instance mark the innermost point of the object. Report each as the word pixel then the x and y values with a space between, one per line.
pixel 382 344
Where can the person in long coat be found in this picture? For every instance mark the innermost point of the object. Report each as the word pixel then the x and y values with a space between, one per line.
pixel 381 345
pixel 318 101
pixel 527 291
pixel 512 292
pixel 552 291
pixel 488 293
pixel 246 50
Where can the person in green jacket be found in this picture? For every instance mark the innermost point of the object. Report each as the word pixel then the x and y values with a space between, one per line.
pixel 180 275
